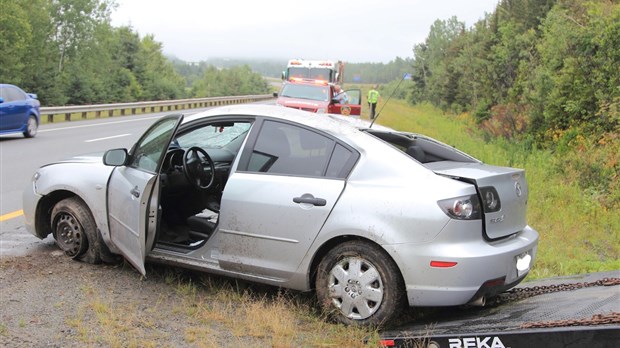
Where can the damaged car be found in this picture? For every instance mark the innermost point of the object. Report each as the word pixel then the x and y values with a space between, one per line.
pixel 372 219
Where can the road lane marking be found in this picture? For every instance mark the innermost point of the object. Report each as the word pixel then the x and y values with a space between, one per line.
pixel 96 124
pixel 11 215
pixel 106 138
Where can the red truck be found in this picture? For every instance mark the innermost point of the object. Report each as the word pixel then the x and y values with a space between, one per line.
pixel 319 96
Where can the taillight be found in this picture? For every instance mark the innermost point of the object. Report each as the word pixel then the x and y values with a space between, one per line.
pixel 490 199
pixel 462 208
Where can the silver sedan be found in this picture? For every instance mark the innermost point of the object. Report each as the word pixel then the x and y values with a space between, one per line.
pixel 370 218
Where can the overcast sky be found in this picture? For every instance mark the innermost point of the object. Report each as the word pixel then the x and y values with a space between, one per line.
pixel 350 30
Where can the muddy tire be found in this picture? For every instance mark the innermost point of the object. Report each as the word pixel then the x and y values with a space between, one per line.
pixel 75 231
pixel 357 283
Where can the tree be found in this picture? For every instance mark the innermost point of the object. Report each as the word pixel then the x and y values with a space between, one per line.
pixel 15 38
pixel 155 73
pixel 436 74
pixel 233 81
pixel 74 22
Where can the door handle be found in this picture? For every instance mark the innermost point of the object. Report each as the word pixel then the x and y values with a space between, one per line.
pixel 135 192
pixel 308 198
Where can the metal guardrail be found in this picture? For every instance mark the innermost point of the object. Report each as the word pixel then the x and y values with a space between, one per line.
pixel 108 110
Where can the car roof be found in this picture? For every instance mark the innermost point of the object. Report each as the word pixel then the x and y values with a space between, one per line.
pixel 334 124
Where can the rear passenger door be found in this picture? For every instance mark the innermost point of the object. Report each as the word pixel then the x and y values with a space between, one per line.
pixel 274 205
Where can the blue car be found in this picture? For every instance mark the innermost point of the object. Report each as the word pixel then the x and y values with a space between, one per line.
pixel 19 111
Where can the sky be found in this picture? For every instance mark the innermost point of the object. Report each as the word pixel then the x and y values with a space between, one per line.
pixel 355 31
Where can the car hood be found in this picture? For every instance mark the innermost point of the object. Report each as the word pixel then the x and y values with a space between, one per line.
pixel 303 104
pixel 87 158
pixel 511 187
pixel 94 159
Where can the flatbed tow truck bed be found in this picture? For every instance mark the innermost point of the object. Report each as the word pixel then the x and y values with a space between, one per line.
pixel 572 311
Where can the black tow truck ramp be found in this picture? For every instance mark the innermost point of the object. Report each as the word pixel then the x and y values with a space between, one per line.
pixel 574 311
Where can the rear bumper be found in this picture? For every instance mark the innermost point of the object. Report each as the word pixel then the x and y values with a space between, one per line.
pixel 482 268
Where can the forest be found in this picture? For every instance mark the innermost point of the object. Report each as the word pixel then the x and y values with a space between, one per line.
pixel 529 67
pixel 544 74
pixel 68 53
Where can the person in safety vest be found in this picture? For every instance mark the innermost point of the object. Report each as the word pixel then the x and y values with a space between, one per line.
pixel 373 99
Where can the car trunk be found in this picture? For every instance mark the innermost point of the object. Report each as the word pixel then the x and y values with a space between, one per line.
pixel 509 184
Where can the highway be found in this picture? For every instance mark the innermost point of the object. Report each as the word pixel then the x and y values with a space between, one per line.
pixel 20 158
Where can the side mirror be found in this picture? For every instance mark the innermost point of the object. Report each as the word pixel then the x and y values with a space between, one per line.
pixel 32 95
pixel 1 100
pixel 275 94
pixel 115 157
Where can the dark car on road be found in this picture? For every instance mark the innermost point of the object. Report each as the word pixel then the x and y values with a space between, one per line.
pixel 19 111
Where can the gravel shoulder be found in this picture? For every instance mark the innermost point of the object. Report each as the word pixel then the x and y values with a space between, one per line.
pixel 49 300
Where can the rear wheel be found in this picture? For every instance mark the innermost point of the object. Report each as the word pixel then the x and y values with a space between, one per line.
pixel 32 127
pixel 75 232
pixel 357 283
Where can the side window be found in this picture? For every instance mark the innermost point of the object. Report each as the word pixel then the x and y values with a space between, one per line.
pixel 149 150
pixel 341 162
pixel 355 96
pixel 11 94
pixel 287 149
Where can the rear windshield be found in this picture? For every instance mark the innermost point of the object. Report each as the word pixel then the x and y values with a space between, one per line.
pixel 422 148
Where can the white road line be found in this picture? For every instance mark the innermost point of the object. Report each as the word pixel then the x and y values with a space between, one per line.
pixel 95 124
pixel 106 138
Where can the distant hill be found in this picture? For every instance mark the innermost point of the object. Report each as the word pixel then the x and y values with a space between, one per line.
pixel 265 67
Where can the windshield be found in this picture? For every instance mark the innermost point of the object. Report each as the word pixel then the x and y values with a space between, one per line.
pixel 320 93
pixel 311 73
pixel 213 136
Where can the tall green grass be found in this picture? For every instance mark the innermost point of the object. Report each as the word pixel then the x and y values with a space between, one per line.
pixel 578 234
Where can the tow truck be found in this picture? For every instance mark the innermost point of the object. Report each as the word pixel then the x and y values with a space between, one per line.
pixel 572 311
pixel 319 96
pixel 327 70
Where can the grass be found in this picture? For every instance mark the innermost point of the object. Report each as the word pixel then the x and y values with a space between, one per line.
pixel 209 311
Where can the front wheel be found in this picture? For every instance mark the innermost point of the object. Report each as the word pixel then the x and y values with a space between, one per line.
pixel 357 283
pixel 75 232
pixel 31 127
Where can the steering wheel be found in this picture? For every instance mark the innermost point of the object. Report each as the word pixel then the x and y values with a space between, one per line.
pixel 198 167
